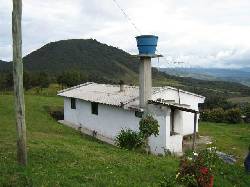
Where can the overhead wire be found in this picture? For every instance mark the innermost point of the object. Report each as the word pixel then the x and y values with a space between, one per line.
pixel 127 17
pixel 139 32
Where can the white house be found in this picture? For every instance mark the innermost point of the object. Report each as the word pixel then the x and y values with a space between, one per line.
pixel 103 110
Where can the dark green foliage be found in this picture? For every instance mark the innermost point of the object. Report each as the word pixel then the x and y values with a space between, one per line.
pixel 43 80
pixel 71 78
pixel 55 112
pixel 246 112
pixel 215 115
pixel 85 56
pixel 217 101
pixel 4 66
pixel 149 126
pixel 129 139
pixel 132 140
pixel 27 80
pixel 219 115
pixel 30 80
pixel 234 115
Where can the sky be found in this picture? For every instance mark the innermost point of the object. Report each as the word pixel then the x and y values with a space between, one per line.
pixel 200 33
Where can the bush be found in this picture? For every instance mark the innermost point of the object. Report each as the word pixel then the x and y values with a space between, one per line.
pixel 197 169
pixel 219 115
pixel 148 126
pixel 129 139
pixel 55 112
pixel 216 115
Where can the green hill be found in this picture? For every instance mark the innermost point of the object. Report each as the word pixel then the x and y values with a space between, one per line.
pixel 87 56
pixel 4 66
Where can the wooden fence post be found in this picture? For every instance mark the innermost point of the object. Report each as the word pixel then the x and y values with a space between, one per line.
pixel 18 82
pixel 194 134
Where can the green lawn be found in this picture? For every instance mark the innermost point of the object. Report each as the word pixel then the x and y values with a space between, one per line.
pixel 230 138
pixel 60 156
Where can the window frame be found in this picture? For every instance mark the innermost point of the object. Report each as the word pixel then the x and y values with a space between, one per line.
pixel 73 103
pixel 138 114
pixel 94 108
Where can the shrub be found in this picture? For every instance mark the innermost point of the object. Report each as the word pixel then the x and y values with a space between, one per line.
pixel 129 139
pixel 216 115
pixel 219 115
pixel 55 112
pixel 197 169
pixel 233 116
pixel 148 126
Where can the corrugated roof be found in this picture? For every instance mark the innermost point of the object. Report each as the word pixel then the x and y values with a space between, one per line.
pixel 110 94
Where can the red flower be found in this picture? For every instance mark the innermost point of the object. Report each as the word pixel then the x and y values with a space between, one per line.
pixel 204 170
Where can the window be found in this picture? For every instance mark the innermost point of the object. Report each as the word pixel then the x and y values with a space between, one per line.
pixel 94 108
pixel 73 103
pixel 138 114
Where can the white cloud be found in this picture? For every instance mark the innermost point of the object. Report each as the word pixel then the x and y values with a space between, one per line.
pixel 203 33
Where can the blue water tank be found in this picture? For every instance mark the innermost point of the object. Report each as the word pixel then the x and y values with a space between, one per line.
pixel 147 44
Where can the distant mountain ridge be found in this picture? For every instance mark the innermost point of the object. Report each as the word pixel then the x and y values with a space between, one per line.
pixel 233 75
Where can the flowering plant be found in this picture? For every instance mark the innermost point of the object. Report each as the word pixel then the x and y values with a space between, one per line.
pixel 196 169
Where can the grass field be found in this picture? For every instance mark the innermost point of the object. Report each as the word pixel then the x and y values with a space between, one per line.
pixel 60 156
pixel 231 138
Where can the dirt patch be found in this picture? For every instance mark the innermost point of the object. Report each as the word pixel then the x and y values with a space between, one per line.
pixel 200 142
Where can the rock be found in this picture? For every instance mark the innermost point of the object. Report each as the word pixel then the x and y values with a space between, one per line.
pixel 226 158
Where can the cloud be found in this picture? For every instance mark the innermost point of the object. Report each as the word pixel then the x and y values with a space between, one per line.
pixel 203 33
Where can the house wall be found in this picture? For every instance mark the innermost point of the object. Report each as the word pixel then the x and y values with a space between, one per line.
pixel 178 121
pixel 188 123
pixel 109 121
pixel 184 121
pixel 164 141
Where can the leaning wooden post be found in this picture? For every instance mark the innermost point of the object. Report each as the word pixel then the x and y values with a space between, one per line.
pixel 194 134
pixel 18 82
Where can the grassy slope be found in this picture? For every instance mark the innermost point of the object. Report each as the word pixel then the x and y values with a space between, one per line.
pixel 232 138
pixel 59 156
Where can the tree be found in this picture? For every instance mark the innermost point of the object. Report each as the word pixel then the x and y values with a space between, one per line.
pixel 8 83
pixel 18 82
pixel 27 80
pixel 70 78
pixel 43 80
